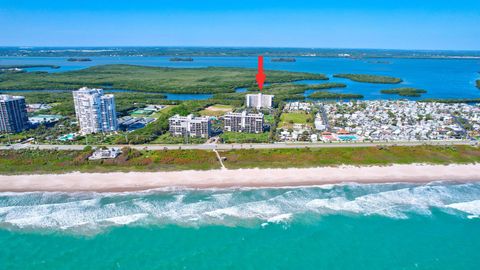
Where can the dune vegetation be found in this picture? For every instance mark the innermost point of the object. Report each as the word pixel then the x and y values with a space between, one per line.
pixel 61 161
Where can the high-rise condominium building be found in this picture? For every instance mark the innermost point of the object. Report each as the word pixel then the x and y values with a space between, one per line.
pixel 259 101
pixel 13 114
pixel 95 111
pixel 243 122
pixel 199 127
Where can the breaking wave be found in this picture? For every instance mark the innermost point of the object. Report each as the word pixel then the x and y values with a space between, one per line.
pixel 89 212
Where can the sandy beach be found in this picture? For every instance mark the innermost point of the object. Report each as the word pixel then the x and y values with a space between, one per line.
pixel 103 182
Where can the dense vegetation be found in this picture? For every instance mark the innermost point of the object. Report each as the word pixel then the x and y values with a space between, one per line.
pixel 150 79
pixel 294 91
pixel 330 95
pixel 313 157
pixel 57 161
pixel 282 91
pixel 369 78
pixel 405 91
pixel 478 83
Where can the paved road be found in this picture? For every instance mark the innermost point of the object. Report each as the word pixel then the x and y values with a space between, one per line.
pixel 244 146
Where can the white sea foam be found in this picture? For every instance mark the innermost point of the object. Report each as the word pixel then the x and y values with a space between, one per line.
pixel 471 207
pixel 280 218
pixel 230 207
pixel 124 220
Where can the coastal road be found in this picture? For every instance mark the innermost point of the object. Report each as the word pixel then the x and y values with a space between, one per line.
pixel 242 146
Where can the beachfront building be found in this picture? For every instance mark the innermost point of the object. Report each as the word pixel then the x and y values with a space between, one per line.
pixel 259 101
pixel 13 114
pixel 105 153
pixel 95 111
pixel 199 127
pixel 244 122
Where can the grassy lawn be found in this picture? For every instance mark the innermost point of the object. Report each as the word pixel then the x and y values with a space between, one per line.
pixel 238 137
pixel 316 157
pixel 167 138
pixel 288 119
pixel 216 110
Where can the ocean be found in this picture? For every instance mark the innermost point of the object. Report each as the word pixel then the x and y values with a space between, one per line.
pixel 342 226
pixel 345 226
pixel 442 78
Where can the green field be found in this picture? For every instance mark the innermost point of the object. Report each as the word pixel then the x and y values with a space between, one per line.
pixel 369 78
pixel 150 79
pixel 288 119
pixel 216 110
pixel 405 91
pixel 238 137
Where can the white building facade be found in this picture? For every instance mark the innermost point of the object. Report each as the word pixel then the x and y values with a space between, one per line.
pixel 95 111
pixel 259 101
pixel 243 122
pixel 199 127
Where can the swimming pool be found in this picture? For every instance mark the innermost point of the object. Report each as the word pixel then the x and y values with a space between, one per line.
pixel 347 137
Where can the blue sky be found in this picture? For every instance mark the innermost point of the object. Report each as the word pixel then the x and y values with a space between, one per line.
pixel 407 24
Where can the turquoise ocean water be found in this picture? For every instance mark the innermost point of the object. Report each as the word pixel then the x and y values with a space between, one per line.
pixel 348 226
pixel 345 226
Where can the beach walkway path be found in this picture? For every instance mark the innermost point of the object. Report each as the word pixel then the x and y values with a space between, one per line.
pixel 219 159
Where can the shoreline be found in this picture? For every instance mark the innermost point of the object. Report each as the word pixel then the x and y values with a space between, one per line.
pixel 255 178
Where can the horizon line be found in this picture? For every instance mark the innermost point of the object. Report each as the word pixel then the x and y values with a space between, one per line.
pixel 238 47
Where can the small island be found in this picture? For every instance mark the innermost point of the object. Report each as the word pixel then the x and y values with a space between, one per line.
pixel 378 62
pixel 478 83
pixel 369 78
pixel 21 68
pixel 181 59
pixel 288 59
pixel 405 91
pixel 28 66
pixel 79 59
pixel 329 95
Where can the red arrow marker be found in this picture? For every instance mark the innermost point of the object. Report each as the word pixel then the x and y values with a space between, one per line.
pixel 260 75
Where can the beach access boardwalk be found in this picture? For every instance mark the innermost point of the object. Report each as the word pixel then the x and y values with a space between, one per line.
pixel 240 146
